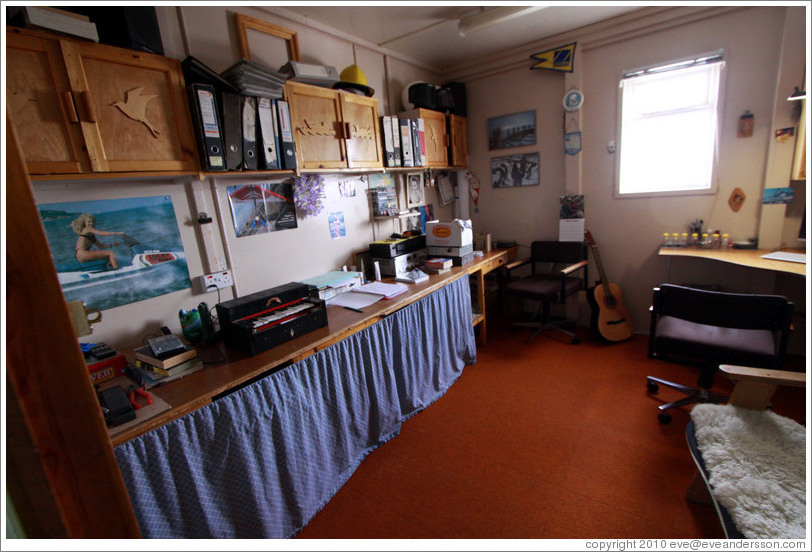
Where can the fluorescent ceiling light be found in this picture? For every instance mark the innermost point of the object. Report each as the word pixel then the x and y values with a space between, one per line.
pixel 488 17
pixel 798 94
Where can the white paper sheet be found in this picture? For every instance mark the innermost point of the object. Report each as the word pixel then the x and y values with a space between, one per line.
pixel 355 300
pixel 571 230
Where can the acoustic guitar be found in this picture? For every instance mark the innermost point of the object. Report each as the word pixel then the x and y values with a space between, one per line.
pixel 609 315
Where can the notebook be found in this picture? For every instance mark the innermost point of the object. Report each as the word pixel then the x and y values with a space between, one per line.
pixel 786 256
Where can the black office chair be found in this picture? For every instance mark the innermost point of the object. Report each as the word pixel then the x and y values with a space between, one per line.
pixel 551 282
pixel 707 328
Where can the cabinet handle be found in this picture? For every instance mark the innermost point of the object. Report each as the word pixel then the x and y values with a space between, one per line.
pixel 70 106
pixel 347 131
pixel 87 104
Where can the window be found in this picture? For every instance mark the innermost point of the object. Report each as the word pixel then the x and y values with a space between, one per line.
pixel 668 127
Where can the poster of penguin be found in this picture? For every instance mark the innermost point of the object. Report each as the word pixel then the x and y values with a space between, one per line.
pixel 515 170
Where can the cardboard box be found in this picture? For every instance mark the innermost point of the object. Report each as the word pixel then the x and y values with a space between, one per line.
pixel 457 233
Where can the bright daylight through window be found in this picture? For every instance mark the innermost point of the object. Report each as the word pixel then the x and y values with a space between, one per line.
pixel 669 127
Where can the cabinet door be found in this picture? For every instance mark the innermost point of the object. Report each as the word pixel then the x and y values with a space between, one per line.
pixel 436 138
pixel 361 131
pixel 133 109
pixel 41 106
pixel 458 129
pixel 316 119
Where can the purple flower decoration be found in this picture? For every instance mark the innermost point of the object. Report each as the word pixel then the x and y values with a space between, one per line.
pixel 308 194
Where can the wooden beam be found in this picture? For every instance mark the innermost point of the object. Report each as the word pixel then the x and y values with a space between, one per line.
pixel 60 440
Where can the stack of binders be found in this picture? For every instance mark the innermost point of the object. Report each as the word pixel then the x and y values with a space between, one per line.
pixel 404 141
pixel 241 121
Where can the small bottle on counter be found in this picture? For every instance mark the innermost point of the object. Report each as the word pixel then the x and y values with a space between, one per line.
pixel 705 244
pixel 726 243
pixel 683 240
pixel 695 239
pixel 666 240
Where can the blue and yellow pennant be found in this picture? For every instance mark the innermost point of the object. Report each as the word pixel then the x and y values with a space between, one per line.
pixel 557 59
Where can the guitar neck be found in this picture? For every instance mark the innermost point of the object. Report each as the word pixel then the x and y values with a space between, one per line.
pixel 601 272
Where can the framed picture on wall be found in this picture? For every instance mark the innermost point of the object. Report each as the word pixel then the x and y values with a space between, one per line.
pixel 414 189
pixel 515 170
pixel 512 131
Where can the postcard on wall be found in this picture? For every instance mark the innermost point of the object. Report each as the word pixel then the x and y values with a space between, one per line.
pixel 337 227
pixel 511 131
pixel 777 195
pixel 262 208
pixel 114 252
pixel 515 170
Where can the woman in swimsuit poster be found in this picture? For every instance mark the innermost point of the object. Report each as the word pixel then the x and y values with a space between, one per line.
pixel 85 226
pixel 111 252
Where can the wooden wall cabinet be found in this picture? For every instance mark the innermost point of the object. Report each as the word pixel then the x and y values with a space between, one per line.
pixel 81 107
pixel 334 129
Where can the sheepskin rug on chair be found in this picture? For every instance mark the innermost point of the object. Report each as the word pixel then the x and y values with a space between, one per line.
pixel 757 465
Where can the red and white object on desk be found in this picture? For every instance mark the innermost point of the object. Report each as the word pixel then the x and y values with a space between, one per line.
pixel 107 369
pixel 439 262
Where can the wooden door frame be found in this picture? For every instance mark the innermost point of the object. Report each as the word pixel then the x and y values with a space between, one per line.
pixel 61 471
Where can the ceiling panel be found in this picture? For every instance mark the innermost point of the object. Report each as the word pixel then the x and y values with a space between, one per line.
pixel 429 33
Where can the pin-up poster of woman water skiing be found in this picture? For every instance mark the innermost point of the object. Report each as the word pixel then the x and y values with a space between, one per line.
pixel 113 252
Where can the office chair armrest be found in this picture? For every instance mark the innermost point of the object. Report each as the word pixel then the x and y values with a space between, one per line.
pixel 573 267
pixel 516 264
pixel 512 265
pixel 755 386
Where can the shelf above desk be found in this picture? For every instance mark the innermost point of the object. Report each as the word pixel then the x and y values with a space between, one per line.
pixel 744 257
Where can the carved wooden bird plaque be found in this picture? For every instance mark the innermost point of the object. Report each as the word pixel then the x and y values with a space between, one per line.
pixel 135 107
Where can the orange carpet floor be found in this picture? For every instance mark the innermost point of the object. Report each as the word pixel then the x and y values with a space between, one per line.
pixel 540 439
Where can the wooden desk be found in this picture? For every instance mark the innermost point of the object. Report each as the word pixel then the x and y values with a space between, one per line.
pixel 744 257
pixel 222 375
pixel 479 268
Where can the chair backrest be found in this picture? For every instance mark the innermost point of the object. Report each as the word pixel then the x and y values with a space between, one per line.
pixel 556 252
pixel 728 310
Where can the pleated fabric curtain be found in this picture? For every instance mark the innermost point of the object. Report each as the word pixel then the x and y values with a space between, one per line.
pixel 262 461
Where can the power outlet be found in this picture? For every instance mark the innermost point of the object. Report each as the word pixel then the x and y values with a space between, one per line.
pixel 218 280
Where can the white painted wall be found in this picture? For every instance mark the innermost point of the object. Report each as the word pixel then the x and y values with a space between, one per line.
pixel 628 231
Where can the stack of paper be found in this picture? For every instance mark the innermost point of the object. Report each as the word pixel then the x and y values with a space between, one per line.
pixel 382 289
pixel 254 79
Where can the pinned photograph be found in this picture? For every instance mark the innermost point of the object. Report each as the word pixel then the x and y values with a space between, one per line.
pixel 414 189
pixel 337 228
pixel 262 208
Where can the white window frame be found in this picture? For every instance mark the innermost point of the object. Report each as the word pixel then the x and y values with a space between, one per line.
pixel 715 57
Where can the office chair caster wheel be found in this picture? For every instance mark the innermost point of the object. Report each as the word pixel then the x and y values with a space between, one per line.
pixel 652 387
pixel 664 418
